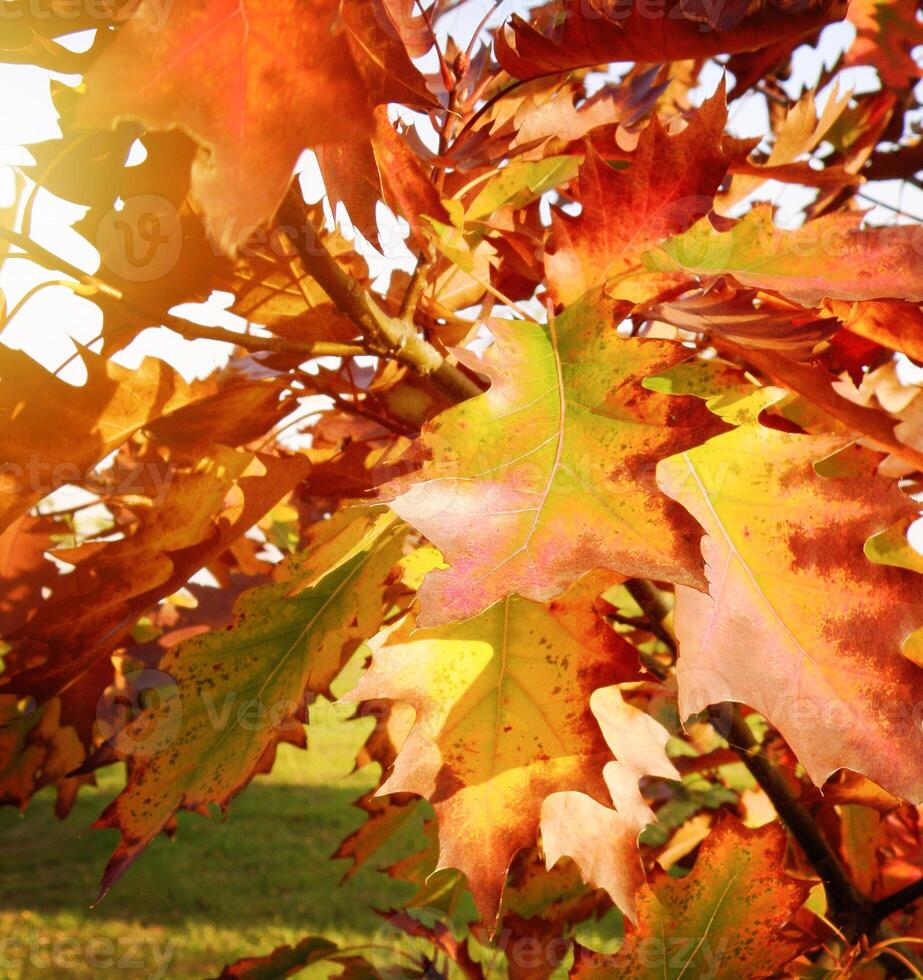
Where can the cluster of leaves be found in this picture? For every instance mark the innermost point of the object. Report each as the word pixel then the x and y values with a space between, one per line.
pixel 618 453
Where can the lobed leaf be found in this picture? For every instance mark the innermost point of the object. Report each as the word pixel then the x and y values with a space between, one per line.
pixel 723 920
pixel 553 466
pixel 798 622
pixel 831 257
pixel 594 32
pixel 201 744
pixel 502 721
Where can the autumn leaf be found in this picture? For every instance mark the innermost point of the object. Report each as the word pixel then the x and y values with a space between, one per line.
pixel 584 35
pixel 386 816
pixel 37 751
pixel 831 257
pixel 196 509
pixel 655 454
pixel 543 905
pixel 798 622
pixel 892 323
pixel 43 451
pixel 542 113
pixel 201 745
pixel 502 721
pixel 406 181
pixel 235 414
pixel 273 290
pixel 521 183
pixel 798 134
pixel 58 665
pixel 381 52
pixel 723 920
pixel 351 177
pixel 886 33
pixel 555 464
pixel 24 570
pixel 747 318
pixel 669 183
pixel 255 84
pixel 604 841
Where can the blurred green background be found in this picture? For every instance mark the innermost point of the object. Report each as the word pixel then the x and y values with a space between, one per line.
pixel 220 890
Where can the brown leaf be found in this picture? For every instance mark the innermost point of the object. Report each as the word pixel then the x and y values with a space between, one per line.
pixel 43 450
pixel 256 84
pixel 583 35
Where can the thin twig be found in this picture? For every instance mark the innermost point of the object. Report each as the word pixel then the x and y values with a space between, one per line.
pixel 186 328
pixel 355 407
pixel 419 278
pixel 414 291
pixel 894 903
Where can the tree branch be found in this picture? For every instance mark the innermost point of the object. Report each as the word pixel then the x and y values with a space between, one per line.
pixel 385 335
pixel 848 907
pixel 187 329
pixel 894 903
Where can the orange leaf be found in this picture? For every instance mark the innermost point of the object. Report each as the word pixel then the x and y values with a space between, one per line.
pixel 502 721
pixel 669 183
pixel 255 82
pixel 199 744
pixel 43 449
pixel 798 622
pixel 724 920
pixel 604 841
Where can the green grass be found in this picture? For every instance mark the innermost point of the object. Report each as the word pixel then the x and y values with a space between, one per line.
pixel 219 891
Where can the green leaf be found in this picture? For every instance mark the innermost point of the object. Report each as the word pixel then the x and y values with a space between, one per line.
pixel 519 184
pixel 229 697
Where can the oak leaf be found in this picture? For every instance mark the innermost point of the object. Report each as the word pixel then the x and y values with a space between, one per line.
pixel 287 961
pixel 798 622
pixel 603 841
pixel 502 721
pixel 831 257
pixel 555 465
pixel 198 745
pixel 892 323
pixel 43 450
pixel 37 751
pixel 669 183
pixel 887 31
pixel 583 35
pixel 24 570
pixel 723 920
pixel 60 661
pixel 255 83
